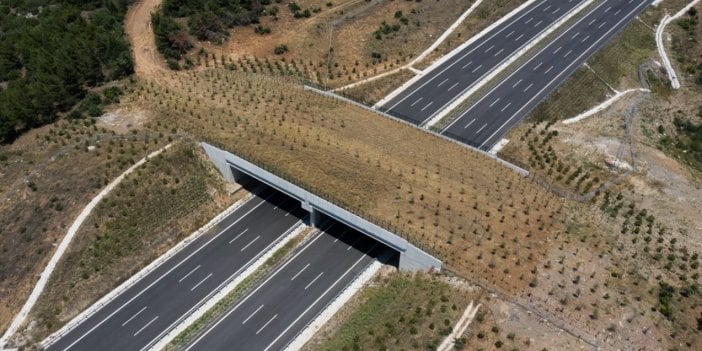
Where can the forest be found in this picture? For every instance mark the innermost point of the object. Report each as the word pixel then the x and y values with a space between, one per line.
pixel 52 53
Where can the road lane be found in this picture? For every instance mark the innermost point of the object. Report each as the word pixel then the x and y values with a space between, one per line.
pixel 484 123
pixel 278 309
pixel 138 317
pixel 451 79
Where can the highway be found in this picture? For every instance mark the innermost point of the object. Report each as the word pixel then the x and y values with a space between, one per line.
pixel 484 123
pixel 273 314
pixel 141 315
pixel 448 81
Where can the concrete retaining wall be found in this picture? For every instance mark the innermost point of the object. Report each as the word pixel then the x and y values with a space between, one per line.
pixel 233 167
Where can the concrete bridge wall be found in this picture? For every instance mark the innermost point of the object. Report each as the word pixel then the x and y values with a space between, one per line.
pixel 233 167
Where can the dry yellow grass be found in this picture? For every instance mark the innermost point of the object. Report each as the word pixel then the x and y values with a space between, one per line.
pixel 606 275
pixel 486 14
pixel 487 223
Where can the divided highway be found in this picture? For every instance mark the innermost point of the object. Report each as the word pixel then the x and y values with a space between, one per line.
pixel 484 123
pixel 273 314
pixel 137 318
pixel 448 81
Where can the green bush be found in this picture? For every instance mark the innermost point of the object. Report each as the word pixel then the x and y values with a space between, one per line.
pixel 665 298
pixel 280 49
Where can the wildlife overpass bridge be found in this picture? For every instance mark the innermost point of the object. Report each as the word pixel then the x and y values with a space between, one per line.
pixel 233 168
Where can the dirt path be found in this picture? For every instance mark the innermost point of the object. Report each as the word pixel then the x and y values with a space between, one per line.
pixel 137 25
pixel 460 328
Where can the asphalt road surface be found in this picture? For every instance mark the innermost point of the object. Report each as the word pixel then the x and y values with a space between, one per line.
pixel 484 123
pixel 292 296
pixel 144 313
pixel 450 80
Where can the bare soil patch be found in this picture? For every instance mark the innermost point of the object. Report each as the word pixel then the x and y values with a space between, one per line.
pixel 345 42
pixel 436 195
pixel 606 277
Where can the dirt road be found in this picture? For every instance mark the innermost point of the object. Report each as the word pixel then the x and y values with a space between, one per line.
pixel 137 25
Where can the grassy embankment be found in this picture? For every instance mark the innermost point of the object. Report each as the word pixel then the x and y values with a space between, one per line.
pixel 487 13
pixel 400 312
pixel 155 207
pixel 47 176
pixel 373 91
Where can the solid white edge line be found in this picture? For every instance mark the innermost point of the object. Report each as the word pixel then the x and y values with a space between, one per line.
pixel 452 54
pixel 135 278
pixel 597 42
pixel 165 274
pixel 419 58
pixel 317 236
pixel 437 119
pixel 320 297
pixel 333 307
pixel 179 326
pixel 72 231
pixel 445 110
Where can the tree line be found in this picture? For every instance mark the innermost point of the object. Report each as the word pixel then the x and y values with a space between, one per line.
pixel 52 52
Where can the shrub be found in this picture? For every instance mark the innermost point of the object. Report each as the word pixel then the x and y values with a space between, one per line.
pixel 280 49
pixel 665 298
pixel 262 29
pixel 173 64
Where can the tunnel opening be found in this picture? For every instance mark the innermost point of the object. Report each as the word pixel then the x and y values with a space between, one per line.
pixel 340 232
